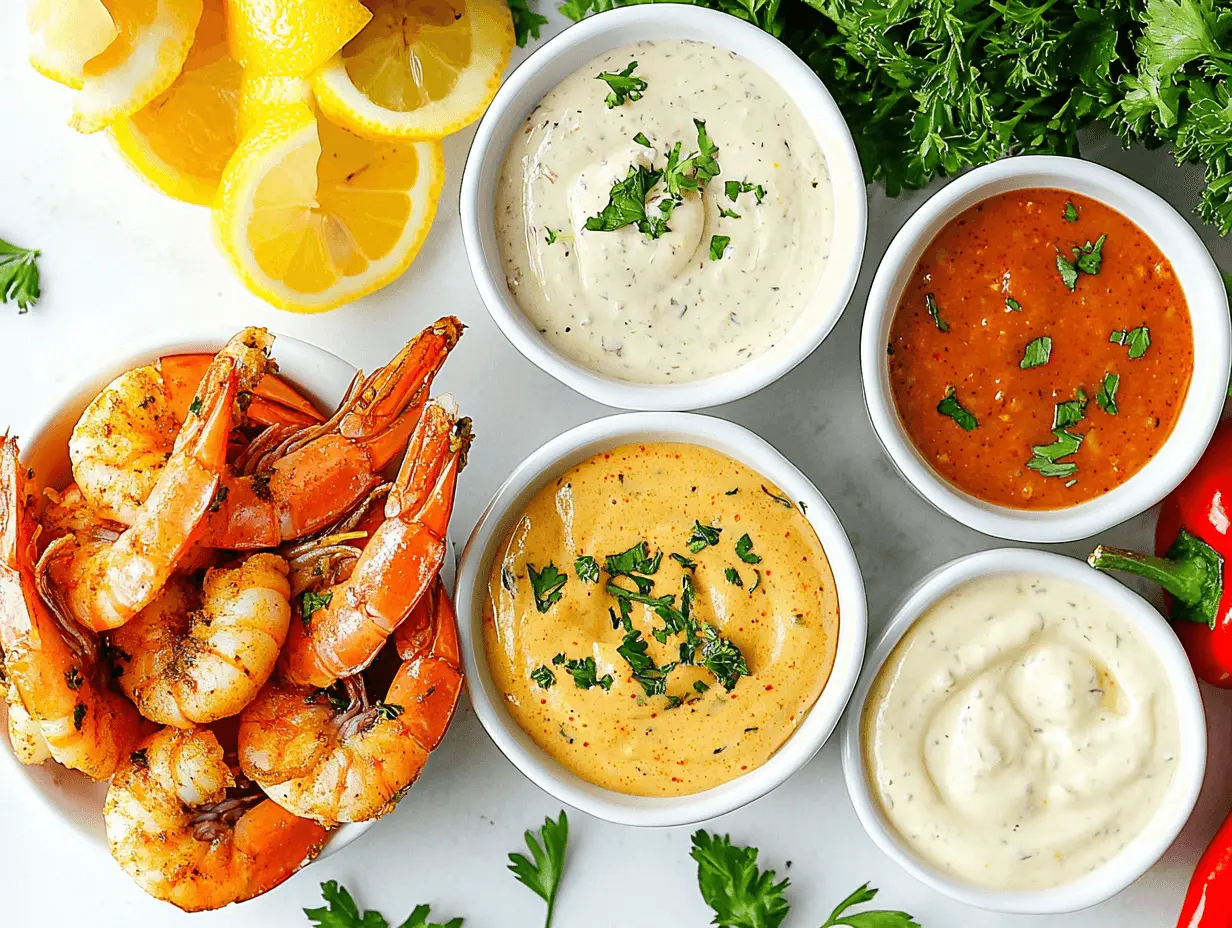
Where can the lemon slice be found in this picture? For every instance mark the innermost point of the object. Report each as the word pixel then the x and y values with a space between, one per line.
pixel 65 34
pixel 421 69
pixel 312 216
pixel 143 60
pixel 291 37
pixel 181 141
pixel 263 95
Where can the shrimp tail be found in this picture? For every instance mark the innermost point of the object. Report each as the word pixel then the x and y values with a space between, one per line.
pixel 429 682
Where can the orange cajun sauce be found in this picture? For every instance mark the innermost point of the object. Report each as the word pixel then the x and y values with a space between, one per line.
pixel 1006 248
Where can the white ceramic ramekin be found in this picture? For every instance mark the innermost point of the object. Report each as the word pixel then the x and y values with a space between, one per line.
pixel 1208 309
pixel 323 377
pixel 560 57
pixel 557 456
pixel 1143 851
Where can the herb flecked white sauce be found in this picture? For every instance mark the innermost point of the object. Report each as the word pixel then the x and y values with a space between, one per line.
pixel 663 310
pixel 1021 734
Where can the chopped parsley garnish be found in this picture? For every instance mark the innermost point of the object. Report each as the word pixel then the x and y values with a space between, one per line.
pixel 1013 305
pixel 1138 340
pixel 707 165
pixel 1087 260
pixel 550 237
pixel 1046 459
pixel 542 874
pixel 733 189
pixel 1068 272
pixel 722 658
pixel 679 176
pixel 934 311
pixel 626 204
pixel 79 715
pixel 733 577
pixel 543 676
pixel 1106 397
pixel 196 406
pixel 683 561
pixel 635 560
pixel 1070 412
pixel 949 406
pixel 19 276
pixel 313 601
pixel 624 86
pixel 652 677
pixel 703 535
pixel 585 674
pixel 701 686
pixel 641 139
pixel 548 585
pixel 1037 353
pixel 718 245
pixel 744 550
pixel 587 569
pixel 1071 212
pixel 781 500
pixel 727 213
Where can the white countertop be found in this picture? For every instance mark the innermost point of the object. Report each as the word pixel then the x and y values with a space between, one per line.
pixel 121 262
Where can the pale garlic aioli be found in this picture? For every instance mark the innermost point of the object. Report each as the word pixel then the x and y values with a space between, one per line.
pixel 663 311
pixel 1020 734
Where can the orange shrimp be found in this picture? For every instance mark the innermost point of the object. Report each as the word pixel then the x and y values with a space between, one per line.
pixel 274 401
pixel 59 687
pixel 180 825
pixel 330 755
pixel 102 585
pixel 352 619
pixel 293 482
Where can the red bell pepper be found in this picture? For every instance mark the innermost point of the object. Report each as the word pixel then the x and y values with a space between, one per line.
pixel 1208 901
pixel 1193 541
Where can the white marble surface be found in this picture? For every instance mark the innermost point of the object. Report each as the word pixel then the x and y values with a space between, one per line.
pixel 122 262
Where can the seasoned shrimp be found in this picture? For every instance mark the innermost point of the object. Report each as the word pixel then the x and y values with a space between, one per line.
pixel 190 658
pixel 123 440
pixel 179 826
pixel 61 703
pixel 330 755
pixel 401 559
pixel 296 481
pixel 102 585
pixel 274 401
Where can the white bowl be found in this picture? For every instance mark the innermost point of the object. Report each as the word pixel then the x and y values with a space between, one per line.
pixel 323 377
pixel 557 456
pixel 557 59
pixel 1208 309
pixel 1137 856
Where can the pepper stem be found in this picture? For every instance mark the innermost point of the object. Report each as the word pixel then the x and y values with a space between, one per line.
pixel 1183 579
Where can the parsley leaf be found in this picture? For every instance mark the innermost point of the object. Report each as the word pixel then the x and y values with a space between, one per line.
pixel 543 676
pixel 733 189
pixel 1089 257
pixel 683 561
pixel 1070 412
pixel 586 568
pixel 652 677
pixel 930 302
pixel 313 601
pixel 718 245
pixel 340 911
pixel 741 895
pixel 1037 353
pixel 726 213
pixel 19 276
pixel 585 674
pixel 873 919
pixel 542 876
pixel 949 406
pixel 1046 459
pixel 1138 340
pixel 679 175
pixel 722 658
pixel 624 86
pixel 550 237
pixel 1013 305
pixel 547 585
pixel 641 139
pixel 733 577
pixel 633 560
pixel 1071 212
pixel 1106 397
pixel 626 204
pixel 744 550
pixel 703 535
pixel 705 161
pixel 1068 272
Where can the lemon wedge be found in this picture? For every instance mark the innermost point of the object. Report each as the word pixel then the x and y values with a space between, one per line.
pixel 421 69
pixel 143 60
pixel 182 140
pixel 65 34
pixel 291 37
pixel 312 216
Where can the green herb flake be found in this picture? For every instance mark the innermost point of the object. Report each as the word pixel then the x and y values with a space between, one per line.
pixel 744 550
pixel 312 602
pixel 586 568
pixel 543 677
pixel 1070 412
pixel 195 407
pixel 781 500
pixel 634 560
pixel 727 213
pixel 733 189
pixel 585 674
pixel 1106 397
pixel 1037 353
pixel 624 86
pixel 1012 305
pixel 706 162
pixel 949 406
pixel 19 276
pixel 683 561
pixel 547 584
pixel 1090 256
pixel 718 245
pixel 701 686
pixel 1046 459
pixel 930 302
pixel 542 874
pixel 703 536
pixel 722 658
pixel 626 205
pixel 1071 212
pixel 550 237
pixel 1139 340
pixel 733 577
pixel 641 139
pixel 1068 272
pixel 340 910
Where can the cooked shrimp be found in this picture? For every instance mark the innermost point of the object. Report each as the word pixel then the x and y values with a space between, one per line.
pixel 274 401
pixel 181 829
pixel 66 512
pixel 296 481
pixel 61 703
pixel 398 564
pixel 124 439
pixel 191 659
pixel 102 585
pixel 330 755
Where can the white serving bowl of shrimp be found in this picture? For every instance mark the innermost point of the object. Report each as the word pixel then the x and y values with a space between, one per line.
pixel 323 380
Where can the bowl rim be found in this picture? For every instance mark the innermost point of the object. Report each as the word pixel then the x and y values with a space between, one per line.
pixel 609 30
pixel 78 392
pixel 1136 857
pixel 1208 307
pixel 557 455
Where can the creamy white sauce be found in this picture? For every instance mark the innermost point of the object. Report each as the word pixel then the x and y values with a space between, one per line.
pixel 663 311
pixel 1021 733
